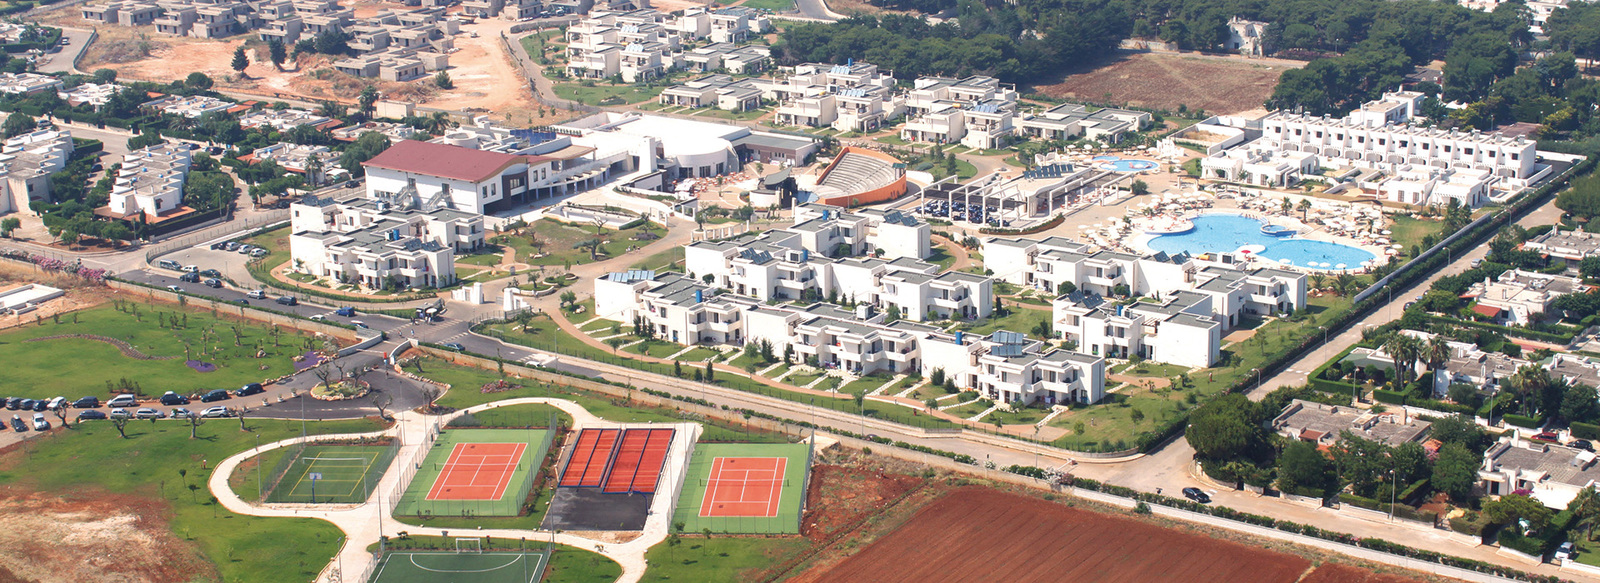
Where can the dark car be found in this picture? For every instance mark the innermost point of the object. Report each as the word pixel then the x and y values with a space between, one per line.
pixel 346 311
pixel 87 403
pixel 172 398
pixel 25 405
pixel 41 404
pixel 17 424
pixel 1196 495
pixel 190 277
pixel 1548 436
pixel 90 414
pixel 288 301
pixel 13 402
pixel 1582 444
pixel 250 389
pixel 217 395
pixel 211 273
pixel 214 282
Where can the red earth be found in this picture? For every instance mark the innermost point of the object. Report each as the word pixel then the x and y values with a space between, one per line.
pixel 1337 573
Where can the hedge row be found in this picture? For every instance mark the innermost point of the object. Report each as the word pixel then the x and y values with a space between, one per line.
pixel 1388 396
pixel 1583 430
pixel 1506 330
pixel 1523 420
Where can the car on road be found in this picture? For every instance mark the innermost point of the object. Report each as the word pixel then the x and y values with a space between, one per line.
pixel 288 301
pixel 1196 495
pixel 214 283
pixel 358 323
pixel 171 398
pixel 216 412
pixel 456 346
pixel 189 278
pixel 17 424
pixel 211 273
pixel 40 423
pixel 257 294
pixel 318 317
pixel 120 414
pixel 123 400
pixel 250 389
pixel 181 413
pixel 214 396
pixel 1564 551
pixel 89 402
pixel 174 288
pixel 346 312
pixel 90 414
pixel 148 413
pixel 1582 444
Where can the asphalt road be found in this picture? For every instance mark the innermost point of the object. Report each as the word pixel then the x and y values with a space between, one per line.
pixel 816 9
pixel 60 60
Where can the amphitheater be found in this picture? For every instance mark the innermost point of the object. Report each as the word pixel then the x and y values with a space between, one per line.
pixel 859 176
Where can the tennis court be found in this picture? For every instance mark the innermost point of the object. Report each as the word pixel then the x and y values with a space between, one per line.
pixel 476 472
pixel 591 455
pixel 739 488
pixel 331 474
pixel 637 465
pixel 460 567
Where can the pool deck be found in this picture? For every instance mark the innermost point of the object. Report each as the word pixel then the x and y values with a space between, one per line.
pixel 1141 241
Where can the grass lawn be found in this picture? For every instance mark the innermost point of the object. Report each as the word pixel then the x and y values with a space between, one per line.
pixel 1019 320
pixel 609 94
pixel 699 354
pixel 929 391
pixel 864 384
pixel 1028 415
pixel 940 258
pixel 970 409
pixel 656 348
pixel 529 415
pixel 666 260
pixel 79 366
pixel 487 259
pixel 801 379
pixel 560 240
pixel 892 139
pixel 276 242
pixel 1409 231
pixel 726 114
pixel 1155 369
pixel 91 457
pixel 720 559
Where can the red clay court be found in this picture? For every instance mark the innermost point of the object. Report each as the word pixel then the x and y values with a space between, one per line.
pixel 637 465
pixel 744 486
pixel 477 471
pixel 590 456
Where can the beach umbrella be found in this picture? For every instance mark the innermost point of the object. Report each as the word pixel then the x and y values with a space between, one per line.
pixel 1340 266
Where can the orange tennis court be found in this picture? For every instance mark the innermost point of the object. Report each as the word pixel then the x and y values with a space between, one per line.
pixel 637 465
pixel 591 455
pixel 477 471
pixel 744 486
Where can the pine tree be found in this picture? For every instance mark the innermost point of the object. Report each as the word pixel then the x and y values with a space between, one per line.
pixel 240 61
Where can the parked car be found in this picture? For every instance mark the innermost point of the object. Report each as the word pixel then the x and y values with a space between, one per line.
pixel 189 278
pixel 13 402
pixel 1196 495
pixel 346 311
pixel 89 402
pixel 40 423
pixel 26 405
pixel 456 346
pixel 191 269
pixel 259 252
pixel 214 396
pixel 1548 436
pixel 246 249
pixel 250 389
pixel 90 414
pixel 216 412
pixel 214 283
pixel 211 273
pixel 148 413
pixel 171 398
pixel 41 405
pixel 181 413
pixel 17 424
pixel 257 294
pixel 123 400
pixel 288 301
pixel 1582 444
pixel 1564 551
pixel 230 245
pixel 57 404
pixel 120 414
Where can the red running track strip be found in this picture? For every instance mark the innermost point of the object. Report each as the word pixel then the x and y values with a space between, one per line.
pixel 627 462
pixel 604 450
pixel 579 462
pixel 655 455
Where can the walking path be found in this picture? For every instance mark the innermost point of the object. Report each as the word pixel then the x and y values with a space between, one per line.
pixel 364 524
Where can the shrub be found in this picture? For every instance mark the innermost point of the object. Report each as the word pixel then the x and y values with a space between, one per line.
pixel 1523 420
pixel 1391 397
pixel 1583 430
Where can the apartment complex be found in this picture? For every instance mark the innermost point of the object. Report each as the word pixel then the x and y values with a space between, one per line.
pixel 1517 296
pixel 643 44
pixel 375 244
pixel 400 46
pixel 28 83
pixel 284 120
pixel 214 18
pixel 1321 424
pixel 150 182
pixel 1573 246
pixel 26 162
pixel 319 164
pixel 1004 366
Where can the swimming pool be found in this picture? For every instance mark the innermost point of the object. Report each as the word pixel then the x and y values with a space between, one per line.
pixel 1228 233
pixel 1119 164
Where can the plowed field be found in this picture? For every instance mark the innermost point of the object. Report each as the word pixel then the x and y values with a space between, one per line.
pixel 976 534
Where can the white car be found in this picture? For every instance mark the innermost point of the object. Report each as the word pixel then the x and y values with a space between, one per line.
pixel 39 422
pixel 216 412
pixel 148 413
pixel 1564 551
pixel 120 414
pixel 174 288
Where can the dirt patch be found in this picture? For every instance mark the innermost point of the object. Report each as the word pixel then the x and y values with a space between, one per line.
pixel 982 534
pixel 1165 81
pixel 841 497
pixel 93 537
pixel 1337 573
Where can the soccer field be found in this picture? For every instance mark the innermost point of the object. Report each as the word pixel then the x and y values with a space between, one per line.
pixel 338 474
pixel 476 472
pixel 744 488
pixel 462 567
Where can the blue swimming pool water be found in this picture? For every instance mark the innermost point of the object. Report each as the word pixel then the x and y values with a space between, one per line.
pixel 1225 233
pixel 1119 164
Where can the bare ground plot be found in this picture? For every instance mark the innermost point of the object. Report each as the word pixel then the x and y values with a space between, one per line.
pixel 92 538
pixel 1007 537
pixel 1337 573
pixel 1165 81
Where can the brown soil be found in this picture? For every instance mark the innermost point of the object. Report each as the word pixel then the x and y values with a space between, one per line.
pixel 1165 81
pixel 841 497
pixel 983 534
pixel 92 537
pixel 1337 573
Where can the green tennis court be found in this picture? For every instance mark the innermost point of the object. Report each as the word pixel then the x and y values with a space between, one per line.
pixel 338 474
pixel 460 567
pixel 745 488
pixel 476 472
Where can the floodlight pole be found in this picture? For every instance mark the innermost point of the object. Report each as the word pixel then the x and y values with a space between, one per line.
pixel 259 493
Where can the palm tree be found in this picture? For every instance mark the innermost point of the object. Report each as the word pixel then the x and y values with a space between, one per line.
pixel 1344 283
pixel 1436 353
pixel 1286 206
pixel 1528 382
pixel 1404 350
pixel 1317 279
pixel 1585 510
pixel 1305 208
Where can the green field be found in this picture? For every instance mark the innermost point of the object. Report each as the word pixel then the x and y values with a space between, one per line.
pixel 773 5
pixel 337 474
pixel 558 241
pixel 165 333
pixel 610 94
pixel 789 505
pixel 415 503
pixel 721 559
pixel 159 461
pixel 460 567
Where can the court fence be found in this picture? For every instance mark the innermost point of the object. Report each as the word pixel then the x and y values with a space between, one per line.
pixel 408 502
pixel 409 470
pixel 296 455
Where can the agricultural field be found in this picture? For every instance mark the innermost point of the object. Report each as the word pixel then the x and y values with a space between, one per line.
pixel 1165 81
